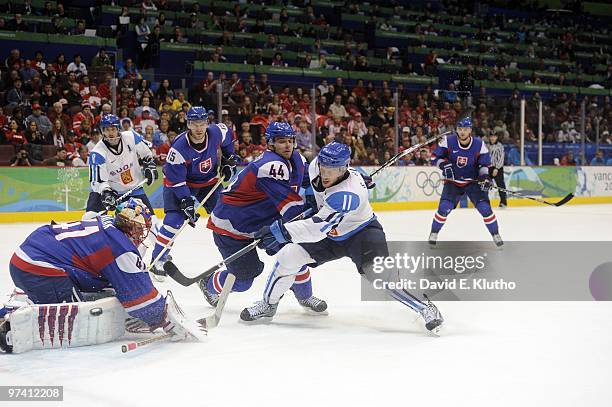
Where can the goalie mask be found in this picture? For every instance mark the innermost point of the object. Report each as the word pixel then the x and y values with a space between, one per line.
pixel 133 218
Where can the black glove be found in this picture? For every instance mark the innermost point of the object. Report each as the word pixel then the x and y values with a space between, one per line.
pixel 370 184
pixel 447 169
pixel 273 236
pixel 485 182
pixel 150 170
pixel 188 208
pixel 109 199
pixel 228 167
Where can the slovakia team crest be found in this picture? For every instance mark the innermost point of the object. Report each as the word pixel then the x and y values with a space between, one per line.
pixel 462 161
pixel 126 177
pixel 206 165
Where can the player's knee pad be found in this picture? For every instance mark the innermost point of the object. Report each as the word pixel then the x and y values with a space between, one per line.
pixel 174 219
pixel 66 325
pixel 484 208
pixel 291 258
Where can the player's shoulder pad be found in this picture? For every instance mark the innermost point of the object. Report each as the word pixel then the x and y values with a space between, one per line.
pixel 95 158
pixel 483 146
pixel 343 201
pixel 444 142
pixel 272 168
pixel 130 262
pixel 174 156
pixel 224 130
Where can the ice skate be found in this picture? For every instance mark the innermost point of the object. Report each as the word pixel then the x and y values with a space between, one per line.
pixel 261 311
pixel 432 317
pixel 433 239
pixel 314 305
pixel 211 297
pixel 497 239
pixel 158 272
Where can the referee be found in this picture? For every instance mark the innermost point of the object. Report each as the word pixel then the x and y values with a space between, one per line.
pixel 496 150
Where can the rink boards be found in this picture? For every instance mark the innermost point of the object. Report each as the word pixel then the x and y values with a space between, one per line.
pixel 42 194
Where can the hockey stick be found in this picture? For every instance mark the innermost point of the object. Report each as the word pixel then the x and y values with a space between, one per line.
pixel 202 202
pixel 135 345
pixel 409 150
pixel 176 275
pixel 563 200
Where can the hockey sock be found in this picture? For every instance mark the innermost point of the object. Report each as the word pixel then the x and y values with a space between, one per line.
pixel 216 282
pixel 172 223
pixel 444 209
pixel 302 286
pixel 488 217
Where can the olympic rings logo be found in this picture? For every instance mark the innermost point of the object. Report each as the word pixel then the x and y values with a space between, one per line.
pixel 429 182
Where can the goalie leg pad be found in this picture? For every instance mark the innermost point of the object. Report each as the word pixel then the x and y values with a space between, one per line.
pixel 66 325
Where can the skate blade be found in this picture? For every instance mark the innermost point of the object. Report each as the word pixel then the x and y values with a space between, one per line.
pixel 259 321
pixel 309 311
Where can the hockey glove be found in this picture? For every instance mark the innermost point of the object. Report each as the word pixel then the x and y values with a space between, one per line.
pixel 175 322
pixel 150 170
pixel 188 207
pixel 311 207
pixel 447 169
pixel 228 167
pixel 370 184
pixel 485 183
pixel 109 199
pixel 273 237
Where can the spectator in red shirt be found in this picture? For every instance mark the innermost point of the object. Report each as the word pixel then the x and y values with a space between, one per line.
pixel 84 114
pixel 162 150
pixel 14 135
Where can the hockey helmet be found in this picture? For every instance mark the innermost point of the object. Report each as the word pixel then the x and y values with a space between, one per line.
pixel 109 120
pixel 133 218
pixel 279 129
pixel 333 161
pixel 197 113
pixel 466 122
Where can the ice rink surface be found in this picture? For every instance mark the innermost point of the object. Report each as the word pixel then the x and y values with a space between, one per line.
pixel 362 353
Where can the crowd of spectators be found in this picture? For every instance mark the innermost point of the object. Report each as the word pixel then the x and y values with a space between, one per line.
pixel 58 104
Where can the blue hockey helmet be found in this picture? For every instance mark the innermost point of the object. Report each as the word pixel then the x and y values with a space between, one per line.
pixel 335 155
pixel 133 218
pixel 279 129
pixel 466 122
pixel 109 120
pixel 197 113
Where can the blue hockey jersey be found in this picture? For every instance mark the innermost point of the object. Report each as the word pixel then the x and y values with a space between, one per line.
pixel 265 190
pixel 468 162
pixel 187 167
pixel 94 255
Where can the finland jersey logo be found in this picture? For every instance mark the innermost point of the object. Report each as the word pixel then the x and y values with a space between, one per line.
pixel 205 166
pixel 462 161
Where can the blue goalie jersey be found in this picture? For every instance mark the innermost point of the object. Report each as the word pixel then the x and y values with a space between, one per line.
pixel 265 190
pixel 94 255
pixel 468 162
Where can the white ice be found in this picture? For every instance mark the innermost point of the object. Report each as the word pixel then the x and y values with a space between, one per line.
pixel 363 353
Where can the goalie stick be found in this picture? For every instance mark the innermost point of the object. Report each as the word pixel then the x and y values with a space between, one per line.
pixel 135 345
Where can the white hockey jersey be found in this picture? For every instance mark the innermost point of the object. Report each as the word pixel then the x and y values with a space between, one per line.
pixel 119 172
pixel 344 210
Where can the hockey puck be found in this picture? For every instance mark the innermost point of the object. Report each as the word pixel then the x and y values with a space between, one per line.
pixel 96 312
